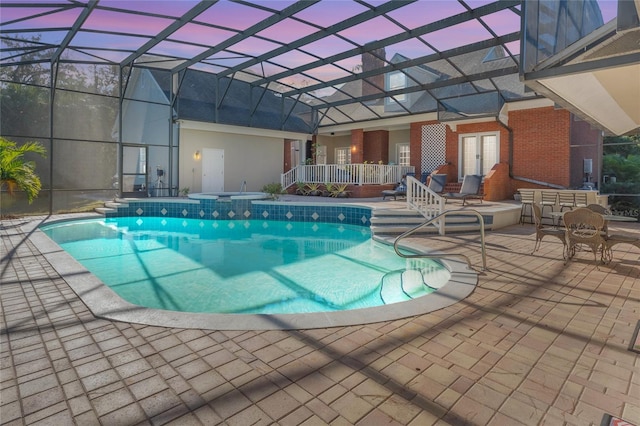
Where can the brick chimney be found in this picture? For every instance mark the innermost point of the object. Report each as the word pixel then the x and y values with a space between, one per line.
pixel 371 61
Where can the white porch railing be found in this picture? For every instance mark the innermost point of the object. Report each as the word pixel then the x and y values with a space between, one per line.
pixel 354 174
pixel 425 201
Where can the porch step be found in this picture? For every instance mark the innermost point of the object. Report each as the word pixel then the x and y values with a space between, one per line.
pixel 397 221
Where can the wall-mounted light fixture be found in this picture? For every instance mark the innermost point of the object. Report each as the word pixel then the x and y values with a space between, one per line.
pixel 196 155
pixel 354 148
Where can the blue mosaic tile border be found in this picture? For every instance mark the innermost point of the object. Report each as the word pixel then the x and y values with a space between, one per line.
pixel 245 209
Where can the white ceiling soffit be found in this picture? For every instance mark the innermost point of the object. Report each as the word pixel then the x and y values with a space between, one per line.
pixel 598 77
pixel 610 97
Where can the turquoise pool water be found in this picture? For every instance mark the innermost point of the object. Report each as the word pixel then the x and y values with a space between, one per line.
pixel 251 266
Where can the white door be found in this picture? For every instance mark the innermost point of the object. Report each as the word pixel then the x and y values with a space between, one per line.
pixel 478 153
pixel 212 170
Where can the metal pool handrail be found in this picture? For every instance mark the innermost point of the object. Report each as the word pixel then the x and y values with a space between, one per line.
pixel 441 255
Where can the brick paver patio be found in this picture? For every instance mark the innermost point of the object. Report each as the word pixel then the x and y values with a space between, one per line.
pixel 537 342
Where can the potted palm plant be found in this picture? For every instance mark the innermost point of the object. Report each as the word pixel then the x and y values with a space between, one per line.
pixel 340 190
pixel 301 188
pixel 328 190
pixel 313 189
pixel 15 172
pixel 274 190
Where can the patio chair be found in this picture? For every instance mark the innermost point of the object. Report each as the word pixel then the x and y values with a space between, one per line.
pixel 584 228
pixel 437 183
pixel 612 240
pixel 602 210
pixel 598 208
pixel 470 189
pixel 399 191
pixel 543 230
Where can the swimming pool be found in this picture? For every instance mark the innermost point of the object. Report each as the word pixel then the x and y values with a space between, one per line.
pixel 252 266
pixel 184 255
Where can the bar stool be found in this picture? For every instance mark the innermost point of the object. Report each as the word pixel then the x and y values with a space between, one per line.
pixel 549 199
pixel 526 199
pixel 580 199
pixel 566 200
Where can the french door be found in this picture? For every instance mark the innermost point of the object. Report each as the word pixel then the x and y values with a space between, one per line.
pixel 478 153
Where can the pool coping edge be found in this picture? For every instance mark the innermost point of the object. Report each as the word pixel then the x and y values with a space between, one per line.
pixel 103 302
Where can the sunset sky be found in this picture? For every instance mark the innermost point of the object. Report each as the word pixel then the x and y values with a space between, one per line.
pixel 122 33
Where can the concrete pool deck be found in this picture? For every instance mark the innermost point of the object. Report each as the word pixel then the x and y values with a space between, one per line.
pixel 537 342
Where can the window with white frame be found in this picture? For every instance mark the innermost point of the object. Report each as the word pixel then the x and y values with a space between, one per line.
pixel 321 154
pixel 398 80
pixel 403 154
pixel 343 155
pixel 479 152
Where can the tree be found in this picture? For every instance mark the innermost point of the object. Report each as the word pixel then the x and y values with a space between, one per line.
pixel 622 145
pixel 15 172
pixel 622 160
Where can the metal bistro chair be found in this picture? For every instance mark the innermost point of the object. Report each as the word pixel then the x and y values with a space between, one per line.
pixel 584 228
pixel 526 199
pixel 542 231
pixel 613 239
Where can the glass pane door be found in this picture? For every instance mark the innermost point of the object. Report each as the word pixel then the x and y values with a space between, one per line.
pixel 470 155
pixel 134 171
pixel 489 153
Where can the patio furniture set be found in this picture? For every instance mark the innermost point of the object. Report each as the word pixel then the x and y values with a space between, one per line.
pixel 584 228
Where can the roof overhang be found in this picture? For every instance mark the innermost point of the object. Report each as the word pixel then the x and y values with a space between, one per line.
pixel 597 78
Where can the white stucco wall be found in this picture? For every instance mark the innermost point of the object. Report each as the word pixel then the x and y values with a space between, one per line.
pixel 333 142
pixel 254 158
pixel 397 137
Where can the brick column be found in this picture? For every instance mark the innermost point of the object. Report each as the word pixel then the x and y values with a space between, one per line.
pixel 377 144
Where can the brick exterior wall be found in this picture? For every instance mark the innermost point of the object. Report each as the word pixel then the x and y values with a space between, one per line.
pixel 541 151
pixel 497 183
pixel 376 146
pixel 541 139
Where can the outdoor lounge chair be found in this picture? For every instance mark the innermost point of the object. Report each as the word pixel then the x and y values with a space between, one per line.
pixel 470 189
pixel 437 183
pixel 399 191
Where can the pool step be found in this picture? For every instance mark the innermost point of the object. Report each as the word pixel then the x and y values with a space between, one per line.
pixel 110 207
pixel 400 286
